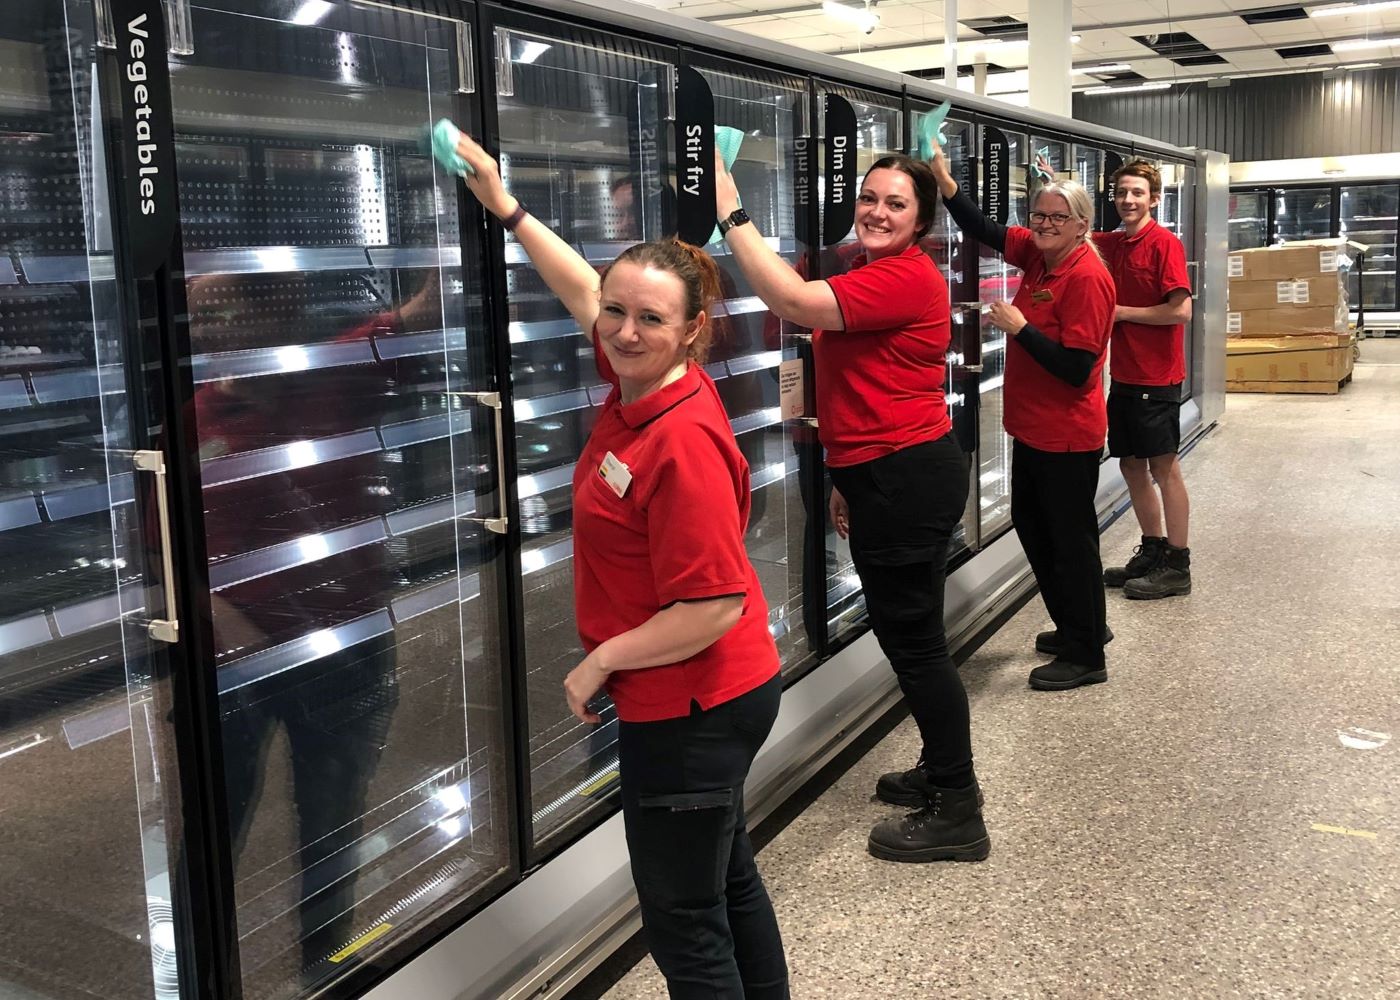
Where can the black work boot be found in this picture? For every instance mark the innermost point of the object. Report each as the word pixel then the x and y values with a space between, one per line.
pixel 1146 558
pixel 1049 642
pixel 1170 578
pixel 910 788
pixel 1061 675
pixel 948 828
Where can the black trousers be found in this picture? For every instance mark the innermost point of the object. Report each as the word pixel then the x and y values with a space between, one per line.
pixel 706 914
pixel 1052 507
pixel 904 508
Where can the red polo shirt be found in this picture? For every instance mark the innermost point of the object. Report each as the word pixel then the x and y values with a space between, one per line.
pixel 676 534
pixel 1146 268
pixel 880 380
pixel 1072 305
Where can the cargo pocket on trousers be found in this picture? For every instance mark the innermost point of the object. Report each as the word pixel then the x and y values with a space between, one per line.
pixel 680 847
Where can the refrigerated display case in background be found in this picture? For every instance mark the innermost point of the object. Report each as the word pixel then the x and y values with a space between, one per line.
pixel 1368 217
pixel 1249 220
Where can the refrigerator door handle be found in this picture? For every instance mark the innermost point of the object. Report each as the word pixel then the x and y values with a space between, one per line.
pixel 161 629
pixel 497 525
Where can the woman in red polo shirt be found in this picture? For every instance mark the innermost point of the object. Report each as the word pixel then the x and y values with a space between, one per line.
pixel 880 338
pixel 668 605
pixel 1057 330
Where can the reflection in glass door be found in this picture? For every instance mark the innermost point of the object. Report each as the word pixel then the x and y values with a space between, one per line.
pixel 1302 214
pixel 348 456
pixel 879 131
pixel 88 774
pixel 1249 220
pixel 1369 217
pixel 582 142
pixel 750 343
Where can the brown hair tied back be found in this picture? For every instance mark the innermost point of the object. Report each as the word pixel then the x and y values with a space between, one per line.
pixel 921 176
pixel 698 273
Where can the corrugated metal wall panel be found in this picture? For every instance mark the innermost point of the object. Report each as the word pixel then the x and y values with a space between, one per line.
pixel 1264 118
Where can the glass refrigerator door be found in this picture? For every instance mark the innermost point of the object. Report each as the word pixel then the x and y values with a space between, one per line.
pixel 998 281
pixel 956 258
pixel 1302 214
pixel 1249 220
pixel 348 454
pixel 88 777
pixel 582 140
pixel 879 131
pixel 750 343
pixel 1368 217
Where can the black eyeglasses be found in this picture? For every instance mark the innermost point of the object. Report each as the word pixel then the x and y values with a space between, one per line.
pixel 1057 218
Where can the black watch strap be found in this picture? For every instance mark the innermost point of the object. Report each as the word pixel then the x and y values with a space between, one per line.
pixel 736 218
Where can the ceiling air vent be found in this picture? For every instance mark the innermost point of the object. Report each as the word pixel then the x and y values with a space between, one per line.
pixel 1209 59
pixel 1172 44
pixel 1305 51
pixel 1273 15
pixel 997 26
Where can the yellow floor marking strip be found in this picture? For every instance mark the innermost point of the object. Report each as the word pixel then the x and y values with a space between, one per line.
pixel 600 784
pixel 1324 828
pixel 367 939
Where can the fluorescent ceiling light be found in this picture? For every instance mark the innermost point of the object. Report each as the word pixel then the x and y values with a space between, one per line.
pixel 862 17
pixel 1343 9
pixel 531 51
pixel 1105 68
pixel 1361 66
pixel 1365 43
pixel 1154 85
pixel 311 12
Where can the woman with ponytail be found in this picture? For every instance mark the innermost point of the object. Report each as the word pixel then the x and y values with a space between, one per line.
pixel 1057 331
pixel 668 605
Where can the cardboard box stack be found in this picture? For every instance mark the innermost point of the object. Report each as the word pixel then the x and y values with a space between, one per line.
pixel 1288 326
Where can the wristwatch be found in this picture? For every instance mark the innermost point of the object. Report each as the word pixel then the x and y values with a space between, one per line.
pixel 736 218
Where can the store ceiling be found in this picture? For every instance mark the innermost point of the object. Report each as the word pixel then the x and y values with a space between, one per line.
pixel 1158 40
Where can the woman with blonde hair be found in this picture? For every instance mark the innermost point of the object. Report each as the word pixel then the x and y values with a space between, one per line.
pixel 1057 330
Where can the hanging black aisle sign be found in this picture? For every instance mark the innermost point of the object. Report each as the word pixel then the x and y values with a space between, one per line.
pixel 1108 211
pixel 839 209
pixel 148 159
pixel 695 157
pixel 996 193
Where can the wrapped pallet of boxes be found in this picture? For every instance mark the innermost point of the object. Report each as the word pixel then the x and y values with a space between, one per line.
pixel 1316 363
pixel 1288 323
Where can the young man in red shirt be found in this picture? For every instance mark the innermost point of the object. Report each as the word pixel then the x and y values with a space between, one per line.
pixel 1148 365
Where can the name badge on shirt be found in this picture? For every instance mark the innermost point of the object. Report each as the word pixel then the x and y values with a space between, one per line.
pixel 615 474
pixel 1043 295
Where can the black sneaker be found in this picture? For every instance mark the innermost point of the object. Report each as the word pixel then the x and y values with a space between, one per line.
pixel 910 788
pixel 1170 578
pixel 1049 642
pixel 1146 558
pixel 1061 675
pixel 948 828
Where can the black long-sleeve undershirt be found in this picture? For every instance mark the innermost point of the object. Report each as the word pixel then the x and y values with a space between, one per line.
pixel 1068 364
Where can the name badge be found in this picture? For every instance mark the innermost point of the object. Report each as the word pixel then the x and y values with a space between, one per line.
pixel 615 474
pixel 1043 295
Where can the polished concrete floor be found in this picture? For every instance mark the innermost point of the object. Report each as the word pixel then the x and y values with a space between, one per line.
pixel 1221 819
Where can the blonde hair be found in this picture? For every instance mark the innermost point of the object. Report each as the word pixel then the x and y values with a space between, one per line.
pixel 1081 206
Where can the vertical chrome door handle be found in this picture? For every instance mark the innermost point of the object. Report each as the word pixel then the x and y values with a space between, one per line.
pixel 493 400
pixel 162 629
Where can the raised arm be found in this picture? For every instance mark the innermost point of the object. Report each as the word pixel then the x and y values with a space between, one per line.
pixel 563 269
pixel 785 292
pixel 964 210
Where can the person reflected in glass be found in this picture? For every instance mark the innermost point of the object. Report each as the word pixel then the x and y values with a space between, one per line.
pixel 880 338
pixel 1057 330
pixel 668 605
pixel 336 706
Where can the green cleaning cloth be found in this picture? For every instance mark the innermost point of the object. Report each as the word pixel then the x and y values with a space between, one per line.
pixel 1043 153
pixel 727 143
pixel 932 125
pixel 445 136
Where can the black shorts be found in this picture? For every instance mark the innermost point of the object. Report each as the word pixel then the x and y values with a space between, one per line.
pixel 1144 421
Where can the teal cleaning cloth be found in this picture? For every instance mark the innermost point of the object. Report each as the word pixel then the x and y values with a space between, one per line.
pixel 1043 153
pixel 932 125
pixel 727 143
pixel 445 136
